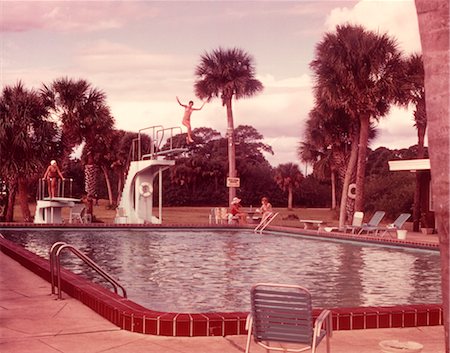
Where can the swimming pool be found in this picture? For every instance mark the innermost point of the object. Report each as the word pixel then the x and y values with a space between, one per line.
pixel 206 271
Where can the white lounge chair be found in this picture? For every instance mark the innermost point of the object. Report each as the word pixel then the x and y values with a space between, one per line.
pixel 77 213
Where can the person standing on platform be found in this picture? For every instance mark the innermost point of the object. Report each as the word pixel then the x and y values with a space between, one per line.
pixel 51 175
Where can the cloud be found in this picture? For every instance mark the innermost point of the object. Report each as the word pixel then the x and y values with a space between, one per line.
pixel 121 59
pixel 63 16
pixel 269 81
pixel 396 130
pixel 398 18
pixel 285 150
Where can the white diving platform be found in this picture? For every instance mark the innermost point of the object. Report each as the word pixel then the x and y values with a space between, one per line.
pixel 49 210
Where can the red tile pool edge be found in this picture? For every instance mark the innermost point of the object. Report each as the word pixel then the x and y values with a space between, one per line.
pixel 133 317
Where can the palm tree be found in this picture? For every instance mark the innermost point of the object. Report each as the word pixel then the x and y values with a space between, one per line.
pixel 414 89
pixel 288 177
pixel 434 32
pixel 326 146
pixel 358 71
pixel 27 139
pixel 227 74
pixel 85 118
pixel 66 98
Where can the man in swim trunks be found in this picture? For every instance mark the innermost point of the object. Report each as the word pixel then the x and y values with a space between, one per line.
pixel 188 109
pixel 51 175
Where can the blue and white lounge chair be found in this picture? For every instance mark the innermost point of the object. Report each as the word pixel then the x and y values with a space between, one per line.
pixel 283 314
pixel 373 223
pixel 392 228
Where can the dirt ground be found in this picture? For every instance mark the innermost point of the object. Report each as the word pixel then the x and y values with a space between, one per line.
pixel 200 215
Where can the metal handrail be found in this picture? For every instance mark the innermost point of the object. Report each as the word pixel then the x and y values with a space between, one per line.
pixel 152 142
pixel 170 138
pixel 157 136
pixel 55 265
pixel 265 222
pixel 60 187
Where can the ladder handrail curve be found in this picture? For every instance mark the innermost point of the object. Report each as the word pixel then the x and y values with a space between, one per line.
pixel 265 222
pixel 55 252
pixel 53 263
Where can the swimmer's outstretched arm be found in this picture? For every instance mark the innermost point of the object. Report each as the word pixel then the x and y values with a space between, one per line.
pixel 204 102
pixel 180 102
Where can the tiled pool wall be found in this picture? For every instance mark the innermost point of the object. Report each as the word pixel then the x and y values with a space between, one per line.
pixel 133 317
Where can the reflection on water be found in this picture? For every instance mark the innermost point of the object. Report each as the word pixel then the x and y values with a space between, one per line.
pixel 201 271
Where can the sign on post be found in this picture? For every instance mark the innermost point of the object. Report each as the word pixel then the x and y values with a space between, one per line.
pixel 233 182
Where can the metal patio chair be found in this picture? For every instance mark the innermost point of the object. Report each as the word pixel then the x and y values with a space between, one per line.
pixel 283 314
pixel 373 223
pixel 393 227
pixel 77 213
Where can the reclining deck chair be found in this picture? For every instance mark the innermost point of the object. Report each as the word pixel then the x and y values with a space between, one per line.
pixel 77 213
pixel 356 222
pixel 373 223
pixel 283 313
pixel 393 227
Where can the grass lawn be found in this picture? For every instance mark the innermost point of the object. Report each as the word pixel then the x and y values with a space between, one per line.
pixel 200 215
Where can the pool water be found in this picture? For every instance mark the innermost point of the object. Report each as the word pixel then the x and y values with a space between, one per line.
pixel 208 271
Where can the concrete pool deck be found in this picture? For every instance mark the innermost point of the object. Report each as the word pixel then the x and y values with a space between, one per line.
pixel 32 321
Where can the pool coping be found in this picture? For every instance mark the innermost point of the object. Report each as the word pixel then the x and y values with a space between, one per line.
pixel 131 316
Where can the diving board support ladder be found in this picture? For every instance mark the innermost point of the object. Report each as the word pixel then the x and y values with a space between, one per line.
pixel 265 221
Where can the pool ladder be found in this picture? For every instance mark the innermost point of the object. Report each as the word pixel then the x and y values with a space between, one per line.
pixel 265 221
pixel 55 268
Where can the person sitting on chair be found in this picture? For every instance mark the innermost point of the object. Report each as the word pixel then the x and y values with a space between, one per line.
pixel 265 209
pixel 51 175
pixel 236 212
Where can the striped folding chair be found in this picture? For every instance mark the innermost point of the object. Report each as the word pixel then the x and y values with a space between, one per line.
pixel 283 314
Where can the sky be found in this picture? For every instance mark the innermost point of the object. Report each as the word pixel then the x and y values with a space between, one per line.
pixel 143 54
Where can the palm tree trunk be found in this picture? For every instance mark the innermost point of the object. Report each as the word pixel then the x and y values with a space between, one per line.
pixel 12 190
pixel 108 185
pixel 119 189
pixel 231 149
pixel 333 190
pixel 23 199
pixel 290 197
pixel 434 31
pixel 348 178
pixel 90 185
pixel 361 167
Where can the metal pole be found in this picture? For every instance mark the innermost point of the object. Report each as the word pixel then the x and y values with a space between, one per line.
pixel 160 194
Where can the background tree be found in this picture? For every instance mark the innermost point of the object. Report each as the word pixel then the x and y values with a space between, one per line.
pixel 227 74
pixel 327 144
pixel 434 33
pixel 358 71
pixel 288 177
pixel 85 119
pixel 27 139
pixel 414 89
